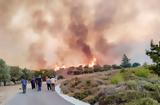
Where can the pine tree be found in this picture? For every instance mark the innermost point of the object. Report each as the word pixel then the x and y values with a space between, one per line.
pixel 125 62
pixel 154 54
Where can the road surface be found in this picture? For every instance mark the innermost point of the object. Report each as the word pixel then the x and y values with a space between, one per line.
pixel 7 92
pixel 32 97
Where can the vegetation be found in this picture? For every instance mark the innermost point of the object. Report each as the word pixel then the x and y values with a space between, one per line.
pixel 117 78
pixel 44 73
pixel 130 86
pixel 154 54
pixel 136 64
pixel 15 73
pixel 142 72
pixel 98 68
pixel 4 72
pixel 125 62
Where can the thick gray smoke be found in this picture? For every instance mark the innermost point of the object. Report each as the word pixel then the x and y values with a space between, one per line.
pixel 44 33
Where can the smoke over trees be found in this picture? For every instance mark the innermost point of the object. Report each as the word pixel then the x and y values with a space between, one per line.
pixel 72 32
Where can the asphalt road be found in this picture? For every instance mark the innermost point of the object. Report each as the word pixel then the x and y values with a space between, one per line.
pixel 32 97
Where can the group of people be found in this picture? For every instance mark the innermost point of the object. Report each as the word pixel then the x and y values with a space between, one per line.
pixel 37 83
pixel 51 83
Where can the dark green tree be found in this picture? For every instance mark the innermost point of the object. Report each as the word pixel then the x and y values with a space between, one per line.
pixel 154 54
pixel 136 64
pixel 27 74
pixel 107 67
pixel 4 72
pixel 47 73
pixel 16 73
pixel 125 62
pixel 114 66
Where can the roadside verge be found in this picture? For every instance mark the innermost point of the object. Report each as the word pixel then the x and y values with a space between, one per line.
pixel 68 98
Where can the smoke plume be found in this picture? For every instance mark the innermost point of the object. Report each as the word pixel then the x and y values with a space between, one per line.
pixel 44 33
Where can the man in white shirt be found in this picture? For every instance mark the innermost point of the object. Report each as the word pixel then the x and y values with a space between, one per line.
pixel 53 83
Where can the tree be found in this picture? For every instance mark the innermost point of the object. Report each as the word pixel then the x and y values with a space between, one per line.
pixel 154 54
pixel 114 66
pixel 27 74
pixel 125 62
pixel 136 64
pixel 107 67
pixel 47 73
pixel 16 73
pixel 4 72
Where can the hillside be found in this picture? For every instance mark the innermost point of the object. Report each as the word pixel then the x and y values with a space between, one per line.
pixel 135 86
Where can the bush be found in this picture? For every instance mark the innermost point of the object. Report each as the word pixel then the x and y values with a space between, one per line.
pixel 117 78
pixel 132 84
pixel 88 82
pixel 91 99
pixel 142 72
pixel 155 69
pixel 150 87
pixel 60 77
pixel 116 66
pixel 120 98
pixel 143 101
pixel 122 70
pixel 82 95
pixel 136 64
pixel 107 67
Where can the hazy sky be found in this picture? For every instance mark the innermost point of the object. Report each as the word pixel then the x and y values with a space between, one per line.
pixel 42 33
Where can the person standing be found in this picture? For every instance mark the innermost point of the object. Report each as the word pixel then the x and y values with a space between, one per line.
pixel 24 84
pixel 53 83
pixel 48 82
pixel 33 83
pixel 39 83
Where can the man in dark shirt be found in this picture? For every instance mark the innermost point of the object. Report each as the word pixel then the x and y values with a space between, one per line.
pixel 33 84
pixel 24 84
pixel 39 83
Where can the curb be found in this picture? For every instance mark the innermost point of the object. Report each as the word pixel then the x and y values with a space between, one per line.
pixel 68 98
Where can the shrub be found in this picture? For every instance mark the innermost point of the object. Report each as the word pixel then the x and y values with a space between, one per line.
pixel 150 87
pixel 91 99
pixel 107 67
pixel 82 95
pixel 136 64
pixel 122 70
pixel 88 82
pixel 142 72
pixel 117 78
pixel 120 98
pixel 132 84
pixel 116 66
pixel 143 101
pixel 155 69
pixel 60 77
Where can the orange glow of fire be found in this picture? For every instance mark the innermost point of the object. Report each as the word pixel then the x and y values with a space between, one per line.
pixel 93 62
pixel 57 67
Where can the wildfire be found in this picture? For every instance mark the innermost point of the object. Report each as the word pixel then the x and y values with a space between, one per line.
pixel 57 67
pixel 93 62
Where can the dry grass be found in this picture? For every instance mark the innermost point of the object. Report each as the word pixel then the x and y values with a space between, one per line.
pixel 108 87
